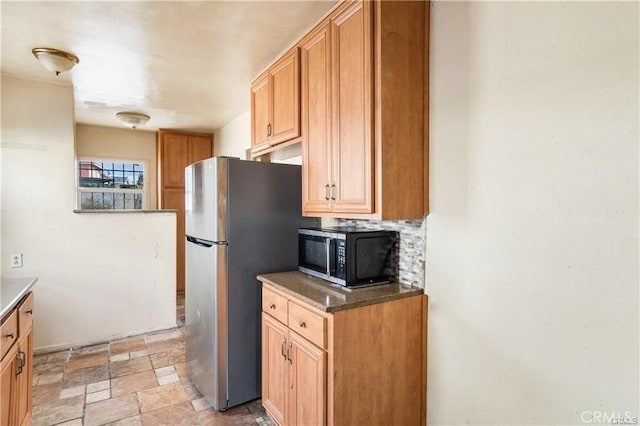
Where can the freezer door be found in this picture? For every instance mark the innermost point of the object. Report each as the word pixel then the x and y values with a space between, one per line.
pixel 205 319
pixel 206 199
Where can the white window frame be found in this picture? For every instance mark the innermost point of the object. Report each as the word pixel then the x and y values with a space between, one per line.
pixel 144 191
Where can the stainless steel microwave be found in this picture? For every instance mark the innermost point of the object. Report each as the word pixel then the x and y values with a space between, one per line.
pixel 350 257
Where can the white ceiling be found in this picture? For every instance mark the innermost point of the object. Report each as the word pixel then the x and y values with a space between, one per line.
pixel 186 64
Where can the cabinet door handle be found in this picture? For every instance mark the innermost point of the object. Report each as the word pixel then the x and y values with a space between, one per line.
pixel 21 357
pixel 289 353
pixel 269 130
pixel 302 324
pixel 9 336
pixel 326 192
pixel 333 198
pixel 30 312
pixel 284 342
pixel 272 306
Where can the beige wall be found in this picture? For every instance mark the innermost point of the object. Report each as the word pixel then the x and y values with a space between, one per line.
pixel 99 275
pixel 121 144
pixel 234 138
pixel 532 240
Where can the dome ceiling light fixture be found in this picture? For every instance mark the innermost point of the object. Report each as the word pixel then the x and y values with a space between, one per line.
pixel 133 119
pixel 55 60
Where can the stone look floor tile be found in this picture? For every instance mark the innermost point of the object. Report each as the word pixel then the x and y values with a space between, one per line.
pixel 138 354
pixel 123 368
pixel 168 379
pixel 70 392
pixel 83 376
pixel 130 345
pixel 165 345
pixel 86 350
pixel 163 359
pixel 46 393
pixel 98 386
pixel 130 421
pixel 111 410
pixel 74 422
pixel 162 396
pixel 177 414
pixel 164 335
pixel 200 404
pixel 191 391
pixel 133 383
pixel 57 411
pixel 49 378
pixel 163 371
pixel 48 368
pixel 181 368
pixel 119 357
pixel 98 396
pixel 88 360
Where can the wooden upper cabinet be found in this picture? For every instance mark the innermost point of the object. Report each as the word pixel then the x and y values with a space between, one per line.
pixel 284 79
pixel 352 144
pixel 377 147
pixel 176 150
pixel 315 64
pixel 275 103
pixel 175 156
pixel 260 112
pixel 200 148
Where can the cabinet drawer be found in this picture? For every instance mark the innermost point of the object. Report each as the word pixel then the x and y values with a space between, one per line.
pixel 275 305
pixel 307 324
pixel 8 333
pixel 25 315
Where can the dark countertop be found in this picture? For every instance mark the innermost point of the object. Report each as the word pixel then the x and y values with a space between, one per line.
pixel 12 290
pixel 330 297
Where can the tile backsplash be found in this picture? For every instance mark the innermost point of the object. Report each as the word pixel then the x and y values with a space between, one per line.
pixel 411 247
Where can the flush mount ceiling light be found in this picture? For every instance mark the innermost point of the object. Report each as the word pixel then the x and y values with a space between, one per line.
pixel 133 119
pixel 55 60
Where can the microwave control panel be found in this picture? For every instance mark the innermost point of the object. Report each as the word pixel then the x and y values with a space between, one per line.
pixel 341 259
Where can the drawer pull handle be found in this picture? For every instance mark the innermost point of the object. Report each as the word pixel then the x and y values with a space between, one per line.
pixel 9 336
pixel 302 324
pixel 272 306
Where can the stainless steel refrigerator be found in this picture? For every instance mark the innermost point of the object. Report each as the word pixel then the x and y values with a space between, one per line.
pixel 241 220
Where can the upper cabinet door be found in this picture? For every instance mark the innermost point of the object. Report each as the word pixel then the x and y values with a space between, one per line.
pixel 174 158
pixel 260 111
pixel 284 79
pixel 315 55
pixel 200 147
pixel 352 142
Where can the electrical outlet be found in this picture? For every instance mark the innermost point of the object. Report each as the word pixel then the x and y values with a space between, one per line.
pixel 16 260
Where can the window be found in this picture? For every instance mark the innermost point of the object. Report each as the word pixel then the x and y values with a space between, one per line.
pixel 111 185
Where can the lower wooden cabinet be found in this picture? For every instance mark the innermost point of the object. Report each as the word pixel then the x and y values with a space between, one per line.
pixel 293 376
pixel 364 365
pixel 16 368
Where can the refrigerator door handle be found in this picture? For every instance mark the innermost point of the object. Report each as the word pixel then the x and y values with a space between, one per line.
pixel 205 243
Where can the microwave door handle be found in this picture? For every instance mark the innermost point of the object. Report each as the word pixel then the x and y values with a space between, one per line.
pixel 328 251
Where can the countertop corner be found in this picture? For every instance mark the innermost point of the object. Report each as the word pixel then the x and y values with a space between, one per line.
pixel 12 290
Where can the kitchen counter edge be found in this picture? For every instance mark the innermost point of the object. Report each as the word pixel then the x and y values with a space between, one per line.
pixel 332 298
pixel 15 289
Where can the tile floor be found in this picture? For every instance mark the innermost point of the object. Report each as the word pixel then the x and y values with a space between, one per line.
pixel 138 380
